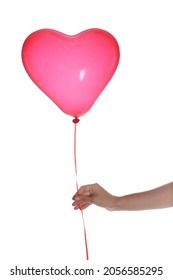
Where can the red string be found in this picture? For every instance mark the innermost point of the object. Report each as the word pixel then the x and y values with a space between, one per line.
pixel 75 121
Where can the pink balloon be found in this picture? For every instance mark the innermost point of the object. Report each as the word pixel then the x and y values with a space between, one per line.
pixel 71 70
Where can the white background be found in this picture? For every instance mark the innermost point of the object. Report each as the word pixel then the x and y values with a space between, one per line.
pixel 124 142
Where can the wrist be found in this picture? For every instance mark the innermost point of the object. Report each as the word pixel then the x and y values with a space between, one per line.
pixel 113 203
pixel 116 203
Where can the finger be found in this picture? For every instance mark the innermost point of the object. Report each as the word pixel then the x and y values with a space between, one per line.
pixel 85 189
pixel 81 206
pixel 86 199
pixel 87 193
pixel 85 206
pixel 75 203
pixel 77 206
pixel 73 197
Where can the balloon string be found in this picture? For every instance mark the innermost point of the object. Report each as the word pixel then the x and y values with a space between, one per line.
pixel 76 120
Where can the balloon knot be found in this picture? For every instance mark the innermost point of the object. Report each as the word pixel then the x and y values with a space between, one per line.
pixel 76 120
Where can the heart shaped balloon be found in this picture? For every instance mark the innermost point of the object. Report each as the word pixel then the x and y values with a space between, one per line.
pixel 72 70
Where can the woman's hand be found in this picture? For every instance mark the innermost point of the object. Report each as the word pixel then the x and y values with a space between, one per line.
pixel 93 194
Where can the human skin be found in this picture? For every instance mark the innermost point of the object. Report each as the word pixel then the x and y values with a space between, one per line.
pixel 157 198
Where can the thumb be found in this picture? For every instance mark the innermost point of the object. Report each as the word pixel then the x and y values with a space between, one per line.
pixel 86 199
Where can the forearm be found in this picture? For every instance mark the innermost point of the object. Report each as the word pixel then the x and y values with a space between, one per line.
pixel 161 197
